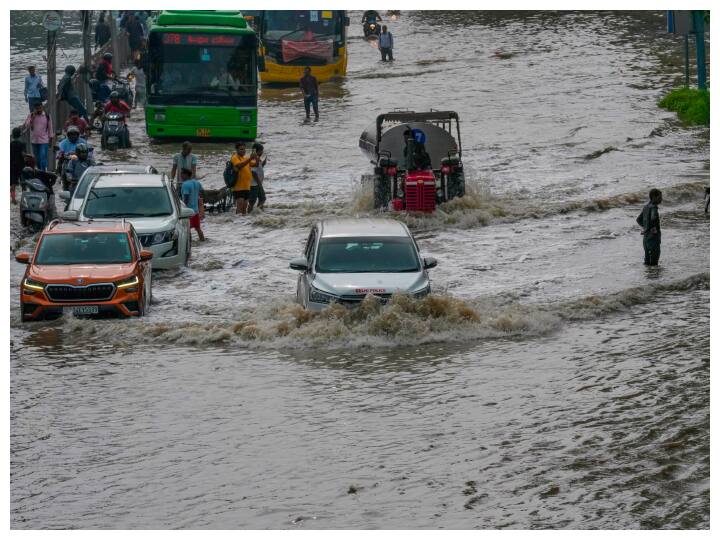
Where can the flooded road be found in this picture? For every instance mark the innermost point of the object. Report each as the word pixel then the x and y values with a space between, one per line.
pixel 551 382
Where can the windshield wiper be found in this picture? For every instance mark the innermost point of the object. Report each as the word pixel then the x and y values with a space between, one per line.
pixel 157 214
pixel 116 214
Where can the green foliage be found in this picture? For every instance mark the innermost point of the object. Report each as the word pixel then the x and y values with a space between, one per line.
pixel 692 105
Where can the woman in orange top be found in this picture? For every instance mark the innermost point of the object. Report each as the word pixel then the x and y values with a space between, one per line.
pixel 241 189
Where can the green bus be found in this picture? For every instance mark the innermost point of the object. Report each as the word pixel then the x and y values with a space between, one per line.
pixel 201 76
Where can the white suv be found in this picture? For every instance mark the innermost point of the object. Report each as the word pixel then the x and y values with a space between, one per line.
pixel 150 204
pixel 345 260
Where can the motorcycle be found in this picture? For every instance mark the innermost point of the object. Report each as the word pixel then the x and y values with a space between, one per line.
pixel 371 29
pixel 101 92
pixel 115 132
pixel 37 204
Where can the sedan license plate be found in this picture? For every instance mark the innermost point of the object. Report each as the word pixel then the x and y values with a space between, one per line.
pixel 85 310
pixel 202 132
pixel 113 124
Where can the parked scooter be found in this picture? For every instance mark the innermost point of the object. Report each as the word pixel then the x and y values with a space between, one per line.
pixel 37 202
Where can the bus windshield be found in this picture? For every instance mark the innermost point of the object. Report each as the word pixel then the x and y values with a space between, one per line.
pixel 213 68
pixel 303 25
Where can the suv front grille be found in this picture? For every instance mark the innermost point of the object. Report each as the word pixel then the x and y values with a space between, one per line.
pixel 353 299
pixel 98 292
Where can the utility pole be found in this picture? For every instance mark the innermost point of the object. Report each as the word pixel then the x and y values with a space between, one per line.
pixel 51 87
pixel 699 29
pixel 114 41
pixel 87 56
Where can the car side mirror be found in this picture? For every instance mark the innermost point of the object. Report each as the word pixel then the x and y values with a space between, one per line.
pixel 64 195
pixel 23 258
pixel 186 213
pixel 70 215
pixel 300 263
pixel 146 254
pixel 429 262
pixel 347 21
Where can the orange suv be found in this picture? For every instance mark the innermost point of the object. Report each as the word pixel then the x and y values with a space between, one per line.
pixel 89 268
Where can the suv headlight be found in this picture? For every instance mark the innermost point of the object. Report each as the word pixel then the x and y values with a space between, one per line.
pixel 321 297
pixel 421 293
pixel 163 236
pixel 128 282
pixel 33 285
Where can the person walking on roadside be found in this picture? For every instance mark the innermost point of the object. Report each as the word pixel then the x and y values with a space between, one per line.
pixel 102 32
pixel 241 189
pixel 135 34
pixel 311 93
pixel 185 159
pixel 17 161
pixel 191 192
pixel 33 84
pixel 649 220
pixel 386 45
pixel 257 190
pixel 41 133
pixel 67 92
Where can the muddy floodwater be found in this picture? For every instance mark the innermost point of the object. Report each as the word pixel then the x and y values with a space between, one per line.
pixel 551 380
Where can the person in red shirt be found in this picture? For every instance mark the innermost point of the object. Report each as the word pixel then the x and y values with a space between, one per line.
pixel 117 105
pixel 75 120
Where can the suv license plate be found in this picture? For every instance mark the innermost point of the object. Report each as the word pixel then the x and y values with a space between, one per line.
pixel 86 310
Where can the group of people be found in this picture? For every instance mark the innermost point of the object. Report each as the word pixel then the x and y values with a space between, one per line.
pixel 385 38
pixel 248 175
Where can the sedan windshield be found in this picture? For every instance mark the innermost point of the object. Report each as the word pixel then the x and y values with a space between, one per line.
pixel 84 248
pixel 361 255
pixel 118 202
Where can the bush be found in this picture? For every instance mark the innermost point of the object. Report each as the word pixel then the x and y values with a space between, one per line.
pixel 692 105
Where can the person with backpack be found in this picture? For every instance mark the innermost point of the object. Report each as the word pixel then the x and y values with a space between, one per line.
pixel 41 134
pixel 191 195
pixel 34 88
pixel 386 45
pixel 67 92
pixel 649 220
pixel 243 177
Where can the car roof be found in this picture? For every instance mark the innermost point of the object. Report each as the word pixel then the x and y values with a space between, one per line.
pixel 128 180
pixel 362 227
pixel 119 168
pixel 88 227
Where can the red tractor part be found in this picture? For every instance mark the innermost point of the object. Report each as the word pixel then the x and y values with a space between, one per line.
pixel 420 191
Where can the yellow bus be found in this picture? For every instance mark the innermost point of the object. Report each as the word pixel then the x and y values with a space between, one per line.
pixel 291 40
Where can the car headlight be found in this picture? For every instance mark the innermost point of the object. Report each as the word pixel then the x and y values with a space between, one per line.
pixel 421 293
pixel 321 297
pixel 33 285
pixel 160 117
pixel 163 236
pixel 128 282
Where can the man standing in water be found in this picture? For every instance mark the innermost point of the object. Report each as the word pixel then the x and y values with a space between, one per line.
pixel 386 44
pixel 311 92
pixel 241 188
pixel 184 160
pixel 649 220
